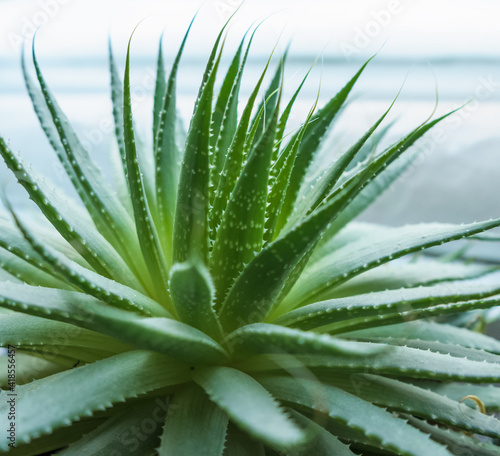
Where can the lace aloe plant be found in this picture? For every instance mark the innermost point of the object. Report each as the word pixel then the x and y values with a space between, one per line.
pixel 218 297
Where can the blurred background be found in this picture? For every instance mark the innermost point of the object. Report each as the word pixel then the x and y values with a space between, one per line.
pixel 450 47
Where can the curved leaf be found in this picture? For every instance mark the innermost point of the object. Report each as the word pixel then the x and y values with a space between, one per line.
pixel 249 406
pixel 367 253
pixel 162 335
pixel 377 424
pixel 101 384
pixel 194 425
pixel 117 433
pixel 265 338
pixel 193 294
pixel 146 230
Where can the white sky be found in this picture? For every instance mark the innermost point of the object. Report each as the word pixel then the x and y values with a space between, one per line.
pixel 413 28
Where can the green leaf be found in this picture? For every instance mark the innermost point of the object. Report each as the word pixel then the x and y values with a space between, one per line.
pixel 239 443
pixel 100 385
pixel 374 189
pixel 265 338
pixel 330 179
pixel 117 102
pixel 240 234
pixel 458 443
pixel 29 367
pixel 377 424
pixel 107 212
pixel 160 91
pixel 249 406
pixel 158 334
pixel 269 103
pixel 168 155
pixel 235 155
pixel 431 331
pixel 135 430
pixel 390 360
pixel 148 237
pixel 72 223
pixel 281 182
pixel 56 440
pixel 409 314
pixel 194 425
pixel 398 275
pixel 257 289
pixel 113 293
pixel 323 443
pixel 488 394
pixel 367 253
pixel 19 269
pixel 191 211
pixel 406 398
pixel 311 142
pixel 23 330
pixel 279 158
pixel 377 304
pixel 225 117
pixel 193 294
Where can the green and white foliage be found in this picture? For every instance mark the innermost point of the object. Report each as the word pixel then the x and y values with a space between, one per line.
pixel 211 301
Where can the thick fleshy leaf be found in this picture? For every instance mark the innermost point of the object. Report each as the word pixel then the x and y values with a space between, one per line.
pixel 235 155
pixel 225 117
pixel 146 230
pixel 17 269
pixel 19 329
pixel 162 335
pixel 191 211
pixel 160 90
pixel 367 253
pixel 117 434
pixel 377 424
pixel 323 442
pixel 336 311
pixel 269 103
pixel 238 443
pixel 431 331
pixel 265 338
pixel 168 155
pixel 489 395
pixel 459 443
pixel 391 360
pixel 57 440
pixel 396 274
pixel 240 234
pixel 194 425
pixel 406 314
pixel 107 212
pixel 119 162
pixel 113 293
pixel 29 367
pixel 278 157
pixel 256 290
pixel 193 294
pixel 373 190
pixel 72 223
pixel 311 142
pixel 281 181
pixel 331 177
pixel 406 398
pixel 101 384
pixel 249 406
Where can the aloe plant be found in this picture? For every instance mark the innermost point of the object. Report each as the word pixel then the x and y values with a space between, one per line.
pixel 219 298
